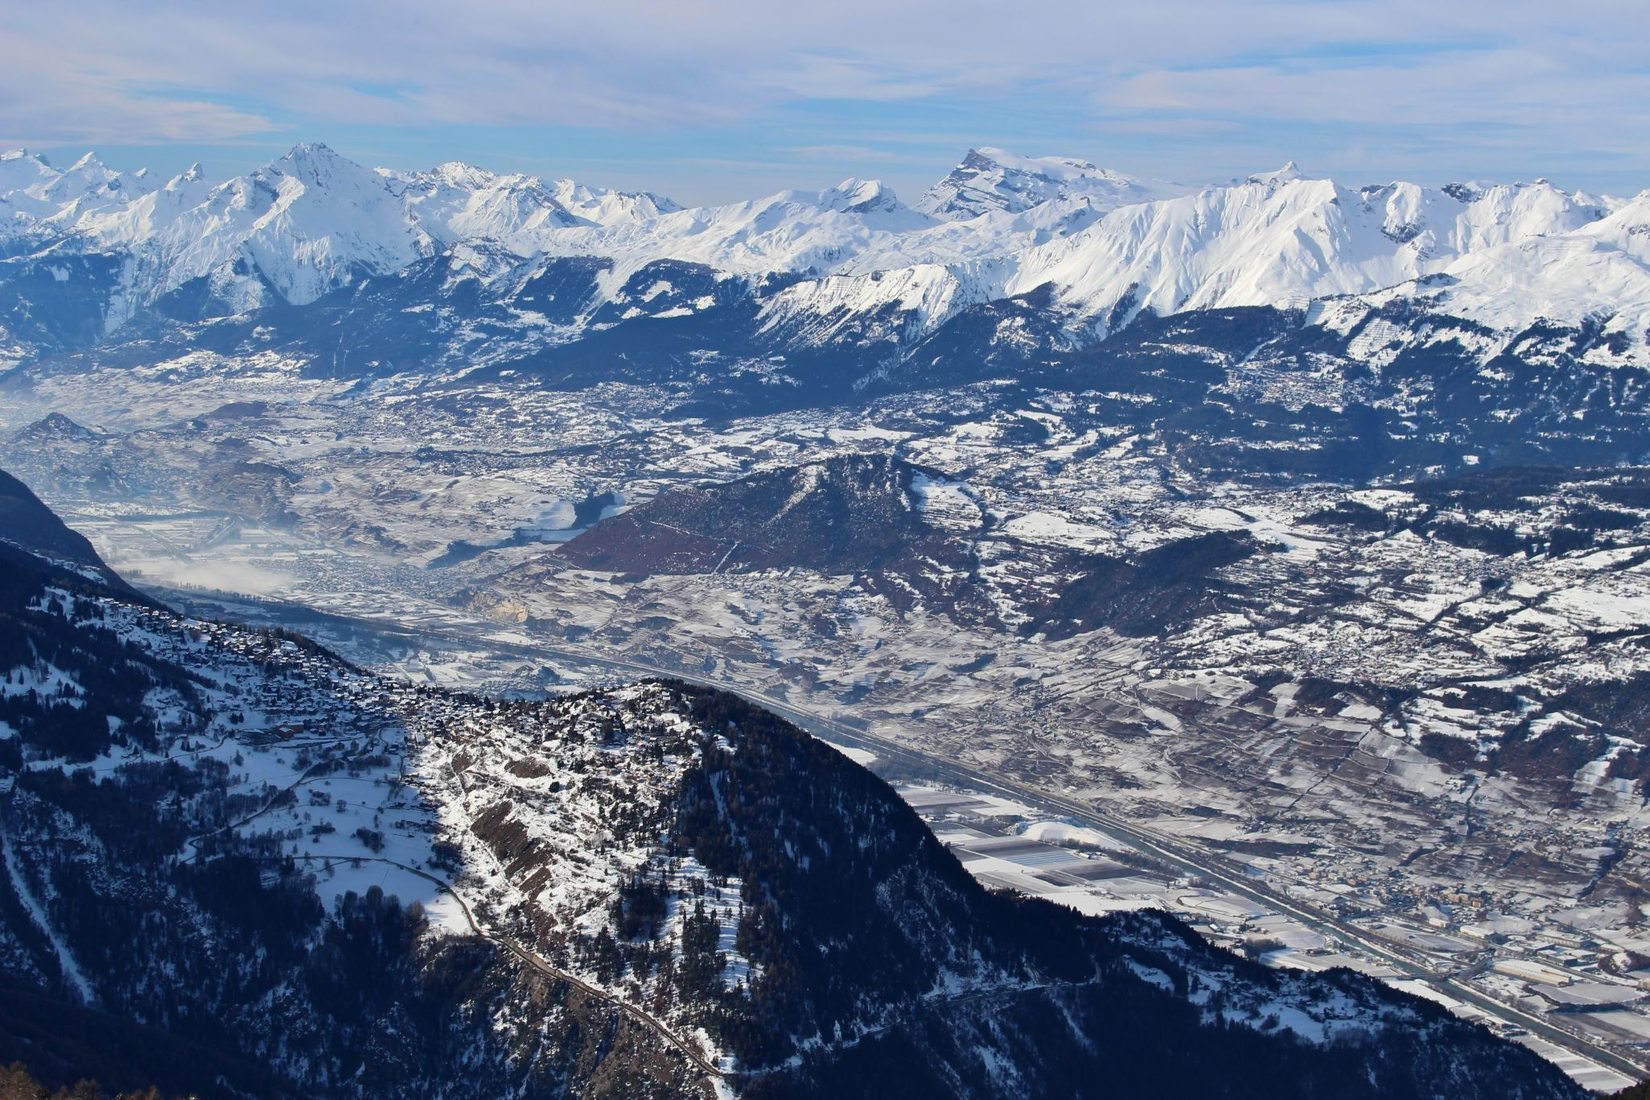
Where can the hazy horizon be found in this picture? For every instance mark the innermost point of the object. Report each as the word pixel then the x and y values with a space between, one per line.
pixel 731 99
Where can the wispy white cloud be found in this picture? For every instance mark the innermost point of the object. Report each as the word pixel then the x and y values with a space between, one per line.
pixel 1415 79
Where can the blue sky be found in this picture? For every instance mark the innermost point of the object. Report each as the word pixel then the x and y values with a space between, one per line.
pixel 718 100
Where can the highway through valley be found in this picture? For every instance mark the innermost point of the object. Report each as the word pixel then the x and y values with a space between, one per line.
pixel 1172 852
pixel 1187 859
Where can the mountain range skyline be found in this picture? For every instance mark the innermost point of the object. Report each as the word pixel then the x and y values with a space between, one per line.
pixel 1108 247
pixel 730 97
pixel 159 164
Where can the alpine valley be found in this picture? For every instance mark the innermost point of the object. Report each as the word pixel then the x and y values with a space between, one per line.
pixel 1241 592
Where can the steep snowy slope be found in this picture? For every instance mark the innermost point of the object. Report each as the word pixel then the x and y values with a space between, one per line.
pixel 32 191
pixel 24 177
pixel 1599 275
pixel 299 226
pixel 458 202
pixel 29 528
pixel 88 187
pixel 1283 240
pixel 893 307
pixel 607 207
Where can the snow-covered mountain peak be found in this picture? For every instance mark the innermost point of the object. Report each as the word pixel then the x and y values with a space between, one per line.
pixel 1625 228
pixel 316 165
pixel 301 225
pixel 860 196
pixel 21 170
pixel 90 176
pixel 1057 168
pixel 310 151
pixel 20 167
pixel 1284 239
pixel 312 183
pixel 457 201
pixel 1596 275
pixel 1289 173
pixel 986 156
pixel 38 193
pixel 457 173
pixel 606 207
pixel 990 180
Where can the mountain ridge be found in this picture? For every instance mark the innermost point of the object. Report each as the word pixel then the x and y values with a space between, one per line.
pixel 312 222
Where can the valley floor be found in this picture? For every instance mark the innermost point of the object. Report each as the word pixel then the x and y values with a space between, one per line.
pixel 1325 787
